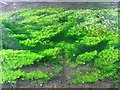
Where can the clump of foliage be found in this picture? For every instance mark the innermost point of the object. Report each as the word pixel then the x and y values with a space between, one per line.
pixel 7 40
pixel 49 35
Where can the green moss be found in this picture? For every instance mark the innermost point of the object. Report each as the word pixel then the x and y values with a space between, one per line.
pixel 86 57
pixel 87 78
pixel 51 35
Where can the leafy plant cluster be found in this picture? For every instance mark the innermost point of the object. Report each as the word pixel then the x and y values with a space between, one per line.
pixel 13 60
pixel 48 35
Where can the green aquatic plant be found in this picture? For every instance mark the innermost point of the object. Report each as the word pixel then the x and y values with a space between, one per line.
pixel 58 36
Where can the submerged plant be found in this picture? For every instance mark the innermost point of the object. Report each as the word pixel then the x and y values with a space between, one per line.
pixel 56 36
